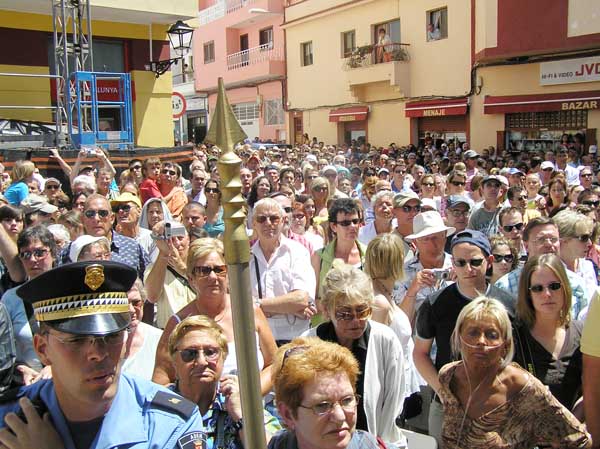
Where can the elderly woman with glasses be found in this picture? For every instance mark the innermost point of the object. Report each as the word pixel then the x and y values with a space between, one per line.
pixel 347 302
pixel 198 348
pixel 315 387
pixel 207 274
pixel 575 232
pixel 490 402
pixel 546 338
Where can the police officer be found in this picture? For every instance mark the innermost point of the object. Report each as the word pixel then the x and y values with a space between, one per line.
pixel 83 313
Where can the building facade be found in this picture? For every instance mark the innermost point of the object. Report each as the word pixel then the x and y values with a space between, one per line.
pixel 126 36
pixel 242 41
pixel 489 72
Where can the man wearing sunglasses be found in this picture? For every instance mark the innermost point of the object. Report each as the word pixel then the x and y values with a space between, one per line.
pixel 436 318
pixel 89 402
pixel 484 216
pixel 511 227
pixel 97 219
pixel 406 206
pixel 283 281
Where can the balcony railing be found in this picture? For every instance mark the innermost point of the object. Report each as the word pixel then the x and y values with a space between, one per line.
pixel 368 55
pixel 255 55
pixel 220 8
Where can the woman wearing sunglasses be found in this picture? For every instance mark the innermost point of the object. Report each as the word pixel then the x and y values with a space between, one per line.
pixel 198 348
pixel 320 191
pixel 546 337
pixel 214 225
pixel 347 303
pixel 301 224
pixel 505 258
pixel 207 274
pixel 575 232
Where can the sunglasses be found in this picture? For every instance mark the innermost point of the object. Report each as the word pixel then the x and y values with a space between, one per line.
pixel 346 223
pixel 538 288
pixel 136 167
pixel 320 189
pixel 38 253
pixel 399 172
pixel 121 207
pixel 91 213
pixel 361 314
pixel 275 219
pixel 52 186
pixel 169 172
pixel 299 216
pixel 191 354
pixel 137 303
pixel 409 209
pixel 584 238
pixel 586 175
pixel 312 177
pixel 547 169
pixel 205 270
pixel 593 204
pixel 427 184
pixel 211 190
pixel 509 228
pixel 458 183
pixel 522 197
pixel 473 262
pixel 508 258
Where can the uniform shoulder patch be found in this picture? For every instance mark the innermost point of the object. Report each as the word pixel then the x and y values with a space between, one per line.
pixel 192 440
pixel 173 403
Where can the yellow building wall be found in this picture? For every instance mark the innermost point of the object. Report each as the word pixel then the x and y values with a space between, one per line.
pixel 316 123
pixel 486 24
pixel 514 80
pixel 152 110
pixel 584 17
pixel 24 91
pixel 387 124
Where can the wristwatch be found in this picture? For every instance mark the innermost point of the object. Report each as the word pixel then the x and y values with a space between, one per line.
pixel 238 425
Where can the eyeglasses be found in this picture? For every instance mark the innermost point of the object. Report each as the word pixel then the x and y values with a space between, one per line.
pixel 320 189
pixel 135 167
pixel 191 354
pixel 347 403
pixel 78 343
pixel 274 219
pixel 409 209
pixel 593 204
pixel 169 172
pixel 291 351
pixel 288 209
pixel 538 288
pixel 508 258
pixel 584 237
pixel 52 186
pixel 542 240
pixel 360 314
pixel 427 184
pixel 459 213
pixel 91 213
pixel 458 183
pixel 205 270
pixel 473 262
pixel 38 253
pixel 137 303
pixel 509 228
pixel 211 190
pixel 121 207
pixel 346 223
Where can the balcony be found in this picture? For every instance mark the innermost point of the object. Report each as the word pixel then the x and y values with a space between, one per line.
pixel 373 64
pixel 253 56
pixel 240 13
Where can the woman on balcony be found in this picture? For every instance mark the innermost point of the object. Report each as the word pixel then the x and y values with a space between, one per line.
pixel 384 47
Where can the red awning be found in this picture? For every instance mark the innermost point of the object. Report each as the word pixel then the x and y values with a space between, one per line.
pixel 436 108
pixel 352 114
pixel 567 101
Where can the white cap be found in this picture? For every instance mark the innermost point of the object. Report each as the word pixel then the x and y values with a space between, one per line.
pixel 81 241
pixel 546 164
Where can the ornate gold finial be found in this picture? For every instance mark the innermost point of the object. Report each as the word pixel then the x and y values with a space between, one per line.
pixel 225 131
pixel 94 276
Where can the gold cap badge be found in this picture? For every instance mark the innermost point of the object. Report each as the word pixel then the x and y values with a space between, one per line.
pixel 94 276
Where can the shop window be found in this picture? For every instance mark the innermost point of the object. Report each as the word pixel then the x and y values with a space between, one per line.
pixel 246 111
pixel 274 112
pixel 547 120
pixel 306 50
pixel 437 24
pixel 265 38
pixel 109 56
pixel 348 43
pixel 209 52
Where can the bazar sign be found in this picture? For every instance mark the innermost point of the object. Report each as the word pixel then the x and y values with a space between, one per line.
pixel 578 105
pixel 581 70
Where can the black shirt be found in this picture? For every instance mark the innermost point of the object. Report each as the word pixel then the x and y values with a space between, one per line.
pixel 326 332
pixel 84 432
pixel 437 317
pixel 563 376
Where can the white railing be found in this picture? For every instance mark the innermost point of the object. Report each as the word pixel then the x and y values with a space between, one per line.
pixel 220 8
pixel 265 52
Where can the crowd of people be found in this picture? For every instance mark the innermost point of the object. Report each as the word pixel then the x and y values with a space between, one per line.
pixel 397 292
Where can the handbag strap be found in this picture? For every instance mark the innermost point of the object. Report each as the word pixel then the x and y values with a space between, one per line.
pixel 260 295
pixel 180 278
pixel 220 439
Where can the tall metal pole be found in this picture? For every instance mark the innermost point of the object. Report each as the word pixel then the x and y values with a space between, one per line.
pixel 226 132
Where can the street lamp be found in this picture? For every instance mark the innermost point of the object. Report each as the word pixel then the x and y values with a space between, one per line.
pixel 180 37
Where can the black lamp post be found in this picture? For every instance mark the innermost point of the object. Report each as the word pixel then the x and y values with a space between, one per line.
pixel 180 36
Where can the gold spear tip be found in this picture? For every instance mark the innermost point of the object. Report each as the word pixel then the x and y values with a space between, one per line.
pixel 225 130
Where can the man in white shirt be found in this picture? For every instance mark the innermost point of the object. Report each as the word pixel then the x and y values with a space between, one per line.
pixel 283 281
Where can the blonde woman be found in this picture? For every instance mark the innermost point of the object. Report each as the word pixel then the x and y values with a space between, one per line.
pixel 21 175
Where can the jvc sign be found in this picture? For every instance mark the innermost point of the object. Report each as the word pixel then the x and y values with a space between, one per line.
pixel 568 71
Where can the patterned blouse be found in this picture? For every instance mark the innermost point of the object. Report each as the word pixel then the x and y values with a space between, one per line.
pixel 532 417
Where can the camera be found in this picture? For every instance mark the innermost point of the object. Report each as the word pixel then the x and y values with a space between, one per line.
pixel 441 274
pixel 89 151
pixel 173 229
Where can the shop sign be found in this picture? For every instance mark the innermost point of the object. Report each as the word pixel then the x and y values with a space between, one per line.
pixel 347 118
pixel 581 70
pixel 434 112
pixel 578 105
